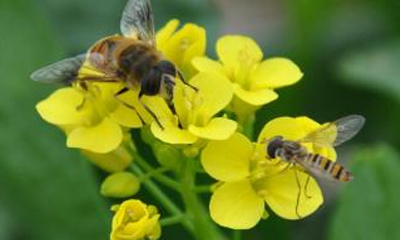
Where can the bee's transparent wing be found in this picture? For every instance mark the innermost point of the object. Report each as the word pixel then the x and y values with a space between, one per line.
pixel 68 70
pixel 337 132
pixel 64 71
pixel 137 21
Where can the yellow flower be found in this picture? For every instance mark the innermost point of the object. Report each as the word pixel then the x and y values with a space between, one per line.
pixel 249 179
pixel 253 80
pixel 135 220
pixel 93 120
pixel 183 45
pixel 195 111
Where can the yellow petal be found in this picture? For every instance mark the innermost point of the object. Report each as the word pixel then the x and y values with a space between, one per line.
pixel 274 73
pixel 287 127
pixel 61 107
pixel 165 33
pixel 235 50
pixel 101 138
pixel 235 205
pixel 216 129
pixel 114 161
pixel 186 43
pixel 126 117
pixel 173 135
pixel 228 160
pixel 257 97
pixel 204 64
pixel 215 93
pixel 281 192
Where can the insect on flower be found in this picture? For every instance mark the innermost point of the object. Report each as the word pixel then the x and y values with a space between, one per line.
pixel 329 135
pixel 132 59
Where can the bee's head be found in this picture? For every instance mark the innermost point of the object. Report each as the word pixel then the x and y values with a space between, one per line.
pixel 274 144
pixel 167 67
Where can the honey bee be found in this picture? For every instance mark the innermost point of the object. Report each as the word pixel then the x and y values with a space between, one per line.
pixel 329 135
pixel 131 58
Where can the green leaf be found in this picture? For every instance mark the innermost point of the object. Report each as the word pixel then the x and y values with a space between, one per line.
pixel 369 207
pixel 377 68
pixel 48 191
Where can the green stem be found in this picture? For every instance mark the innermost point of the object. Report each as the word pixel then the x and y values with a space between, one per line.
pixel 154 173
pixel 204 228
pixel 237 235
pixel 248 125
pixel 159 177
pixel 161 197
pixel 172 220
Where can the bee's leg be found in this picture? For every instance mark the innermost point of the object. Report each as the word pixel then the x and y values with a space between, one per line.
pixel 153 115
pixel 122 91
pixel 306 186
pixel 299 193
pixel 180 75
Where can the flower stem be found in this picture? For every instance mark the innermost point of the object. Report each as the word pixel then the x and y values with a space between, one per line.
pixel 247 124
pixel 161 197
pixel 172 220
pixel 204 228
pixel 237 235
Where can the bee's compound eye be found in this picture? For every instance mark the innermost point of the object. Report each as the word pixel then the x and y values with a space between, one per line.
pixel 150 84
pixel 167 67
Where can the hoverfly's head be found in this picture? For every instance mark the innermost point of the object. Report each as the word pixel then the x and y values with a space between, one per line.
pixel 274 144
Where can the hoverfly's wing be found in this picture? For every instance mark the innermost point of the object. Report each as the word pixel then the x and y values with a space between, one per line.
pixel 64 71
pixel 137 21
pixel 336 133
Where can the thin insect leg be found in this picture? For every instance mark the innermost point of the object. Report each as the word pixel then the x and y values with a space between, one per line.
pixel 150 111
pixel 299 193
pixel 119 93
pixel 306 186
pixel 185 82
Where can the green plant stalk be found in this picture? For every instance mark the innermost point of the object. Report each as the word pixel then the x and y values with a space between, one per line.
pixel 161 197
pixel 247 125
pixel 204 228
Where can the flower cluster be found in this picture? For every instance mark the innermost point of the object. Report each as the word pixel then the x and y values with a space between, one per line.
pixel 200 125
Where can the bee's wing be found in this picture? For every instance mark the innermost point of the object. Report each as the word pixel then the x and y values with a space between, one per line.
pixel 67 71
pixel 337 132
pixel 64 71
pixel 137 21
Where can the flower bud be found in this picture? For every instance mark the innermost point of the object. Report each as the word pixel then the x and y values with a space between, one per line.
pixel 120 185
pixel 135 220
pixel 167 155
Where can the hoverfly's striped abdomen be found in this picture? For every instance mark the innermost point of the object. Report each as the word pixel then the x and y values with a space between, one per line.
pixel 329 168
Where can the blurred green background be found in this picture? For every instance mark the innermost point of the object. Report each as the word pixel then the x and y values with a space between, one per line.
pixel 348 50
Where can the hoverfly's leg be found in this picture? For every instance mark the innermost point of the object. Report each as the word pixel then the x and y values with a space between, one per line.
pixel 180 75
pixel 122 91
pixel 153 115
pixel 306 186
pixel 299 193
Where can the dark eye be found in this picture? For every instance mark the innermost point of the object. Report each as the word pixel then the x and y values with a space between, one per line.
pixel 150 84
pixel 167 67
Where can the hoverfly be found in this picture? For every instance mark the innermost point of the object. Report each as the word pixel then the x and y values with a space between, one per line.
pixel 131 58
pixel 329 135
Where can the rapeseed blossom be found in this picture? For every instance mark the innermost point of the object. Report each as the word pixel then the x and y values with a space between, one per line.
pixel 135 220
pixel 253 79
pixel 250 180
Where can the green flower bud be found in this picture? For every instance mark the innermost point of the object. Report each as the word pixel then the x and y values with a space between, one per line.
pixel 120 185
pixel 167 155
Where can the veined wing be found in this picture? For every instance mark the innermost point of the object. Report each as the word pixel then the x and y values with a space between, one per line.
pixel 64 71
pixel 137 21
pixel 95 67
pixel 337 132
